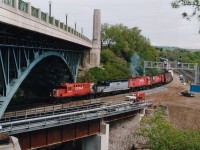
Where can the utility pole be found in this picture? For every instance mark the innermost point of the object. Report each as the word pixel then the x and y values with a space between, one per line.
pixel 66 18
pixel 50 8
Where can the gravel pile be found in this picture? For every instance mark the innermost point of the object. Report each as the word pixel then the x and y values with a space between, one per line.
pixel 123 134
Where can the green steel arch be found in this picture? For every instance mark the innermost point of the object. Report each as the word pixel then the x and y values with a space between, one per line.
pixel 23 61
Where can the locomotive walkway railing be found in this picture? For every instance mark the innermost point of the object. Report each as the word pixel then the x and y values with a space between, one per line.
pixel 31 124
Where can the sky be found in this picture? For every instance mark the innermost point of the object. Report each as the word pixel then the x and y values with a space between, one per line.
pixel 163 25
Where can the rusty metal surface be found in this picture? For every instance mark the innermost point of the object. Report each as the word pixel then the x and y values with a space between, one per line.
pixel 69 132
pixel 46 137
pixel 82 129
pixel 24 140
pixel 94 127
pixel 38 138
pixel 54 135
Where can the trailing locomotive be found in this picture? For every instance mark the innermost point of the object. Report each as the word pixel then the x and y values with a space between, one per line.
pixel 111 87
pixel 90 89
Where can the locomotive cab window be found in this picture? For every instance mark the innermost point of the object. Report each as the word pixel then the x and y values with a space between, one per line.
pixel 69 88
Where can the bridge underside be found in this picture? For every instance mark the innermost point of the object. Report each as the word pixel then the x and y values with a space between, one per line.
pixel 51 136
pixel 70 132
pixel 21 50
pixel 45 76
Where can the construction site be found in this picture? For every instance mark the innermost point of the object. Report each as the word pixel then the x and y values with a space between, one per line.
pixel 182 111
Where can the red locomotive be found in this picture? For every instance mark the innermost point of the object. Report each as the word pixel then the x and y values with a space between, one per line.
pixel 146 82
pixel 139 83
pixel 66 90
pixel 158 80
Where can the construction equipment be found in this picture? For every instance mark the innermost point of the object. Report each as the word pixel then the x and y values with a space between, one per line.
pixel 136 97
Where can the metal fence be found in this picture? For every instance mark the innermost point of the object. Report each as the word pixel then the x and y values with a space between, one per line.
pixel 23 6
pixel 9 2
pixel 41 122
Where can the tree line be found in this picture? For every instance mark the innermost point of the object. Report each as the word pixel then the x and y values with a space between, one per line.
pixel 124 51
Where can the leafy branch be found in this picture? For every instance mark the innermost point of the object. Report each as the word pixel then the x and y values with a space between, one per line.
pixel 195 4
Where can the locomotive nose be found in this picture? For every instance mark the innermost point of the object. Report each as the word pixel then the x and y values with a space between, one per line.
pixel 54 93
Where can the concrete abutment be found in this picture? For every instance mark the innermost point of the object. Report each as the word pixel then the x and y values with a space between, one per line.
pixel 12 145
pixel 99 141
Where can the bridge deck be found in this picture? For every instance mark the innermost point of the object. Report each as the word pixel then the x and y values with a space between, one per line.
pixel 23 15
pixel 64 117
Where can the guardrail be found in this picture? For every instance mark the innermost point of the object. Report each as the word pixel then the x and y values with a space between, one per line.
pixel 25 7
pixel 47 111
pixel 52 108
pixel 54 120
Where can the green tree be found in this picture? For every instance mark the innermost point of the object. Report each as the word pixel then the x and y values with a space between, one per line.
pixel 194 4
pixel 107 55
pixel 161 135
pixel 119 44
pixel 124 41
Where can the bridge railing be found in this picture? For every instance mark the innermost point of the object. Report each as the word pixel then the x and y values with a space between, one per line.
pixel 64 118
pixel 25 7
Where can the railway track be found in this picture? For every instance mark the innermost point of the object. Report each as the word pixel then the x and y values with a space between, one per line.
pixel 189 75
pixel 51 110
pixel 42 122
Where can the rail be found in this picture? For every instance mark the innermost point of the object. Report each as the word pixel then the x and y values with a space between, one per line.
pixel 45 109
pixel 31 124
pixel 48 112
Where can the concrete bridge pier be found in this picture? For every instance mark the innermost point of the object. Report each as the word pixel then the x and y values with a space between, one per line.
pixel 96 42
pixel 12 145
pixel 142 113
pixel 99 141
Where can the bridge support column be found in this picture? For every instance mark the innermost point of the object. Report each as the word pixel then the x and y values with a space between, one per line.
pixel 39 13
pixel 13 145
pixel 96 48
pixel 97 142
pixel 29 8
pixel 16 4
pixel 47 17
pixel 142 113
pixel 53 21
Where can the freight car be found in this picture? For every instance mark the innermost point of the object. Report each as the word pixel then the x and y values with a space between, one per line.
pixel 103 88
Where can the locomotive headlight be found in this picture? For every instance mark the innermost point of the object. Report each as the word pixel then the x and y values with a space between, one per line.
pixel 55 92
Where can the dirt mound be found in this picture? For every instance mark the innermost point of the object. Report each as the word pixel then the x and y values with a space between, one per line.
pixel 184 111
pixel 184 117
